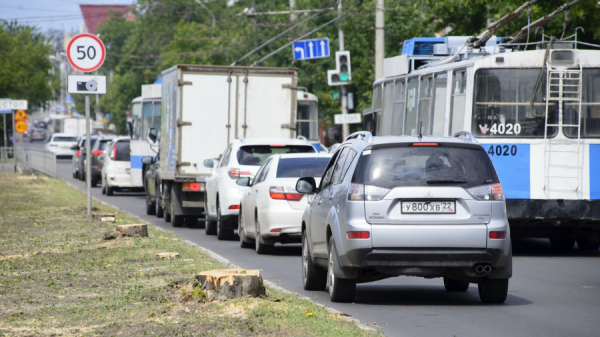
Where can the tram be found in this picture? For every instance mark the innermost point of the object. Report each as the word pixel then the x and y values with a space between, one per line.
pixel 307 117
pixel 145 114
pixel 534 107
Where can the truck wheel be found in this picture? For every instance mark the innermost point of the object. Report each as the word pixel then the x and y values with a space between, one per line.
pixel 587 245
pixel 244 241
pixel 150 207
pixel 340 290
pixel 455 285
pixel 562 245
pixel 493 291
pixel 261 248
pixel 313 276
pixel 222 232
pixel 176 220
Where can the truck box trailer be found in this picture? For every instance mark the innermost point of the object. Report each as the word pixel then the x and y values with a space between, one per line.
pixel 203 109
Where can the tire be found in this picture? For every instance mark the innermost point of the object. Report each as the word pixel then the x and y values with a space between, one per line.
pixel 340 290
pixel 587 245
pixel 222 232
pixel 261 248
pixel 455 285
pixel 150 207
pixel 110 190
pixel 94 183
pixel 562 245
pixel 210 226
pixel 176 220
pixel 493 290
pixel 74 175
pixel 244 241
pixel 158 210
pixel 313 276
pixel 102 187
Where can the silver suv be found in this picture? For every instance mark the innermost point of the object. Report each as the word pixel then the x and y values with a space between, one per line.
pixel 407 205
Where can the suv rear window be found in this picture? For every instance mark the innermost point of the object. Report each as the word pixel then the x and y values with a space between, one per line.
pixel 64 139
pixel 301 167
pixel 104 144
pixel 122 151
pixel 255 155
pixel 391 167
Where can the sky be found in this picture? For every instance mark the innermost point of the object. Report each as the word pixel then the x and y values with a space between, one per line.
pixel 63 15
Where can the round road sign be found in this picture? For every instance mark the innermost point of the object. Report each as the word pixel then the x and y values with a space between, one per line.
pixel 86 52
pixel 21 126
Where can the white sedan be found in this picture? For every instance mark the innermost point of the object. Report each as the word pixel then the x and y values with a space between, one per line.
pixel 271 209
pixel 61 144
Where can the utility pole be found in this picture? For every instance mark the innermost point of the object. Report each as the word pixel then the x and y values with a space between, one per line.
pixel 293 16
pixel 379 38
pixel 344 89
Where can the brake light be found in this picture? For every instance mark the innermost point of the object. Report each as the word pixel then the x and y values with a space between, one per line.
pixel 358 235
pixel 114 155
pixel 498 235
pixel 487 192
pixel 97 152
pixel 425 144
pixel 78 153
pixel 235 173
pixel 277 145
pixel 356 192
pixel 276 230
pixel 284 193
pixel 497 193
pixel 192 187
pixel 234 207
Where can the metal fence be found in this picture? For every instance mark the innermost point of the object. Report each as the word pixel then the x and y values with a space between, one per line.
pixel 38 160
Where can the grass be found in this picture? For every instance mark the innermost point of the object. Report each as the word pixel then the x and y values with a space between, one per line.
pixel 59 277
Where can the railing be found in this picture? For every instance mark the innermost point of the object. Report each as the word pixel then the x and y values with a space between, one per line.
pixel 38 160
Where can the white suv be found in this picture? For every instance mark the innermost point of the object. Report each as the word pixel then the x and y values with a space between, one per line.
pixel 242 158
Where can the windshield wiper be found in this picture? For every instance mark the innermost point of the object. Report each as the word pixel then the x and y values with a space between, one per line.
pixel 445 181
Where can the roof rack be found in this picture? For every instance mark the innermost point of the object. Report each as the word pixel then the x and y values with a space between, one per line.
pixel 465 135
pixel 242 139
pixel 301 137
pixel 364 135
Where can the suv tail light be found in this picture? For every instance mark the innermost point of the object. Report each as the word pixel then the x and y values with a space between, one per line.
pixel 367 192
pixel 114 151
pixel 97 152
pixel 235 173
pixel 284 193
pixel 192 187
pixel 78 153
pixel 487 192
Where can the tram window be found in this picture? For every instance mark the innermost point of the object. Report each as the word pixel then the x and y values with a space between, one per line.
pixel 439 104
pixel 156 120
pixel 425 98
pixel 377 107
pixel 307 122
pixel 136 120
pixel 590 107
pixel 146 120
pixel 387 109
pixel 502 104
pixel 410 126
pixel 457 114
pixel 400 97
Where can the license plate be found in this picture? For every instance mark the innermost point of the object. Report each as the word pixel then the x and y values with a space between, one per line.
pixel 428 207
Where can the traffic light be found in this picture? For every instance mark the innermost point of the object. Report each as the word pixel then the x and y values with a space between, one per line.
pixel 342 74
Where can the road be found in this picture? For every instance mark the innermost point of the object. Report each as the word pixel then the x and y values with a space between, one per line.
pixel 549 294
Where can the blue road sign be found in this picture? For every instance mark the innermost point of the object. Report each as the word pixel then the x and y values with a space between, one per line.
pixel 311 49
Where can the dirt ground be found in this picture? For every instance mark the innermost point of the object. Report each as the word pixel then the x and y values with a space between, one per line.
pixel 58 277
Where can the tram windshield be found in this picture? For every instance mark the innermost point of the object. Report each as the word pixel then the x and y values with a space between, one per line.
pixel 590 108
pixel 502 104
pixel 307 121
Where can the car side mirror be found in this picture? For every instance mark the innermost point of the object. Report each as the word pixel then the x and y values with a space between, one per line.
pixel 148 160
pixel 244 181
pixel 209 163
pixel 306 185
pixel 153 135
pixel 74 147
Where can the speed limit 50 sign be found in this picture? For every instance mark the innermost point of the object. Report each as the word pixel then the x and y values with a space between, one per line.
pixel 86 52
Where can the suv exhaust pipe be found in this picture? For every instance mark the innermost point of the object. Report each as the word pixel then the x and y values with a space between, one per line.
pixel 480 270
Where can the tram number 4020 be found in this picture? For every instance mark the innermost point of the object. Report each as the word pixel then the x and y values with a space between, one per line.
pixel 502 150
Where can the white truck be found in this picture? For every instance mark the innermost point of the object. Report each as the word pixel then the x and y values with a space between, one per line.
pixel 203 109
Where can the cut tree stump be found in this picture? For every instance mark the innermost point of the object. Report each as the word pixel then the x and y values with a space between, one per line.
pixel 231 283
pixel 162 256
pixel 132 230
pixel 106 217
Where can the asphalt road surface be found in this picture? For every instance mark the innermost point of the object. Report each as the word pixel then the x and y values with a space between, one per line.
pixel 550 294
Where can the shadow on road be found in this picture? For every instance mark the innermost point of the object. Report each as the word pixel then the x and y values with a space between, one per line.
pixel 542 248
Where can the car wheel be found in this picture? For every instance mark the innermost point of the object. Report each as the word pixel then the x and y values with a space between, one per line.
pixel 562 245
pixel 493 290
pixel 222 232
pixel 176 220
pixel 103 186
pixel 94 183
pixel 261 248
pixel 110 190
pixel 313 276
pixel 244 241
pixel 340 290
pixel 210 226
pixel 158 208
pixel 74 174
pixel 455 285
pixel 150 207
pixel 587 245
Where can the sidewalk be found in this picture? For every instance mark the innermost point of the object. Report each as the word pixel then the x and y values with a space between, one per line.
pixel 58 276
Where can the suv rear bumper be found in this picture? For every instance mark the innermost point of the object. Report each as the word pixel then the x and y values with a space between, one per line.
pixel 427 258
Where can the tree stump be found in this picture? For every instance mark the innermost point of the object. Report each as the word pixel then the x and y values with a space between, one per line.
pixel 105 217
pixel 231 283
pixel 132 230
pixel 162 256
